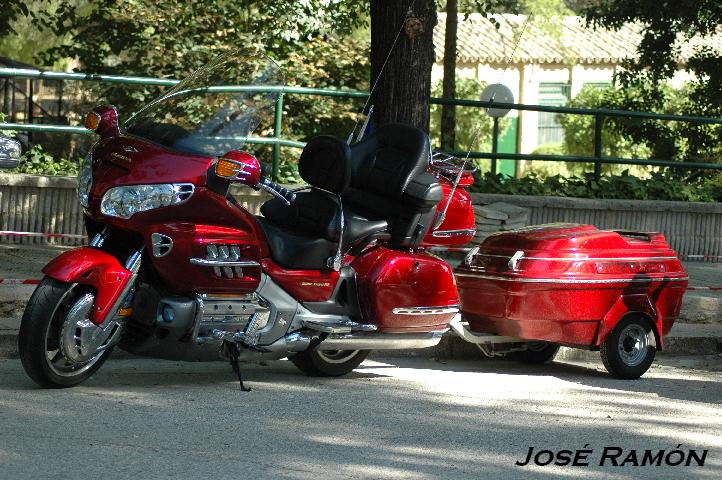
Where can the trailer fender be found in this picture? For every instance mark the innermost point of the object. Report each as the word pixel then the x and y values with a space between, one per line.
pixel 625 305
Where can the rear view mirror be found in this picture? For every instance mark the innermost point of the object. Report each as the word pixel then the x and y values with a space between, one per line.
pixel 9 152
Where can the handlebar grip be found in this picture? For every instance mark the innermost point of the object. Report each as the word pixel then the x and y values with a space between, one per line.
pixel 288 195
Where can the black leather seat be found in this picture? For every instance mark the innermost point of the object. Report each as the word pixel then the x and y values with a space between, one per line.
pixel 389 181
pixel 305 234
pixel 317 214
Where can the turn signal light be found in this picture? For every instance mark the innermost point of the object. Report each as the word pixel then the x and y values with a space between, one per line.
pixel 92 121
pixel 227 168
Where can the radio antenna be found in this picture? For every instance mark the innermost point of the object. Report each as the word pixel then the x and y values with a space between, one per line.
pixel 477 130
pixel 383 67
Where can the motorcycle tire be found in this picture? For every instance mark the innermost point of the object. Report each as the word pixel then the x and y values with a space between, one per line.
pixel 627 352
pixel 39 337
pixel 536 353
pixel 329 363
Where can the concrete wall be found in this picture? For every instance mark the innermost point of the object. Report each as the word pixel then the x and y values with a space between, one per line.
pixel 691 228
pixel 32 203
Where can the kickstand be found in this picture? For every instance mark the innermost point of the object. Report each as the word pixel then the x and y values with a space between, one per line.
pixel 235 352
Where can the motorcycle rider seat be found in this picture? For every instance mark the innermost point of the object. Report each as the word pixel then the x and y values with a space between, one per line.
pixel 305 234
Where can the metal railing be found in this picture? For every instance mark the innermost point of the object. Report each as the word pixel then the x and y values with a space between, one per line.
pixel 598 159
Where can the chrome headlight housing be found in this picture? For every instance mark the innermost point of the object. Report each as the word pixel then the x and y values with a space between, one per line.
pixel 126 201
pixel 85 180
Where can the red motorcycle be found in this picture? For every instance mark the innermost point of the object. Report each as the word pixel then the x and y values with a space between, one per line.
pixel 177 269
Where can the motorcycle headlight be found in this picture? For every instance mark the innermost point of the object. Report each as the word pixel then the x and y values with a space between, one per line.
pixel 85 180
pixel 124 202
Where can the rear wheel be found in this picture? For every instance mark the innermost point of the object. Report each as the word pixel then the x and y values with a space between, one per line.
pixel 628 352
pixel 329 363
pixel 536 353
pixel 58 345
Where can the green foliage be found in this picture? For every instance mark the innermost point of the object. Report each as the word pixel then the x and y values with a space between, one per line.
pixel 315 42
pixel 637 138
pixel 666 26
pixel 37 161
pixel 663 185
pixel 175 37
pixel 337 63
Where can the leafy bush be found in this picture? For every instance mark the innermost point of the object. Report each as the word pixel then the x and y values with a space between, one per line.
pixel 663 185
pixel 641 138
pixel 37 161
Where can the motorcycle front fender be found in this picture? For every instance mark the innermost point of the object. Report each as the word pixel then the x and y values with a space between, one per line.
pixel 97 269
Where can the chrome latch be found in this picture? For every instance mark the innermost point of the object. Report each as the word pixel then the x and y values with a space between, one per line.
pixel 514 260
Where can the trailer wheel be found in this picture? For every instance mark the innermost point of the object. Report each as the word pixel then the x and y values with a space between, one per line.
pixel 536 353
pixel 627 352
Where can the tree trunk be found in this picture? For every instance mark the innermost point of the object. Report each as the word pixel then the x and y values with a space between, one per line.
pixel 448 112
pixel 404 88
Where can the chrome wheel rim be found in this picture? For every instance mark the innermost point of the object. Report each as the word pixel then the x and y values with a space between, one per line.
pixel 632 345
pixel 68 328
pixel 337 356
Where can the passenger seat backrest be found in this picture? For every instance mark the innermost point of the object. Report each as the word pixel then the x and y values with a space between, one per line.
pixel 389 159
pixel 390 182
pixel 325 163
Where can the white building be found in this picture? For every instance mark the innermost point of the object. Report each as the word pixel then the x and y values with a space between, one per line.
pixel 550 65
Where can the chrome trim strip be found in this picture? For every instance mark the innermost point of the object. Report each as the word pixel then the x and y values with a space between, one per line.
pixel 585 259
pixel 426 310
pixel 203 262
pixel 454 233
pixel 381 341
pixel 571 280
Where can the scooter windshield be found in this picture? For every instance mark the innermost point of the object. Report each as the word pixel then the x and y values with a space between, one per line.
pixel 216 108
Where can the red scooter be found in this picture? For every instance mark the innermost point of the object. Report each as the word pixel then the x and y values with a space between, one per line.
pixel 177 269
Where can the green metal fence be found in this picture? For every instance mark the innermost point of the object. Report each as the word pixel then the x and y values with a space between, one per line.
pixel 598 159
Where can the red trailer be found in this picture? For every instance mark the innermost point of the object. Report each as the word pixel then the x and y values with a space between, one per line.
pixel 618 292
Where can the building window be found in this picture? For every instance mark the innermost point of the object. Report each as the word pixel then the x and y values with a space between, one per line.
pixel 598 85
pixel 555 95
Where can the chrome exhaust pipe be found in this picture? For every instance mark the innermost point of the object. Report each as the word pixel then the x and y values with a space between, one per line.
pixel 381 341
pixel 292 343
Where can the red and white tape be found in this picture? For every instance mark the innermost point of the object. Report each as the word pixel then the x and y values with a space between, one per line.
pixel 12 282
pixel 12 233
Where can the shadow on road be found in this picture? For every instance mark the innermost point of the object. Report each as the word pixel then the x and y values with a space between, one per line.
pixel 393 418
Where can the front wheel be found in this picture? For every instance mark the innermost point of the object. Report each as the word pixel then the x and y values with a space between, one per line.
pixel 59 346
pixel 627 352
pixel 329 363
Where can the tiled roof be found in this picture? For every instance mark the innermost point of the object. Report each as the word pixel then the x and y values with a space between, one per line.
pixel 479 41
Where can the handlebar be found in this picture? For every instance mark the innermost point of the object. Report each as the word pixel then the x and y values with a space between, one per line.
pixel 278 191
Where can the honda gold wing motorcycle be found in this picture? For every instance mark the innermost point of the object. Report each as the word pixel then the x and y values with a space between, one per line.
pixel 177 269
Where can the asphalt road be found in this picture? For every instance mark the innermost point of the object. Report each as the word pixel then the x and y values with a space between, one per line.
pixel 392 418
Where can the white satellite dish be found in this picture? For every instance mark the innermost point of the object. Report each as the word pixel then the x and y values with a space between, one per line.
pixel 499 93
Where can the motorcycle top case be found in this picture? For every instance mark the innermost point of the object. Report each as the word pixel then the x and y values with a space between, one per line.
pixel 569 283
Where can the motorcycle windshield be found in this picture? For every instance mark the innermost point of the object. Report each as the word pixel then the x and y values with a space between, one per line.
pixel 216 108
